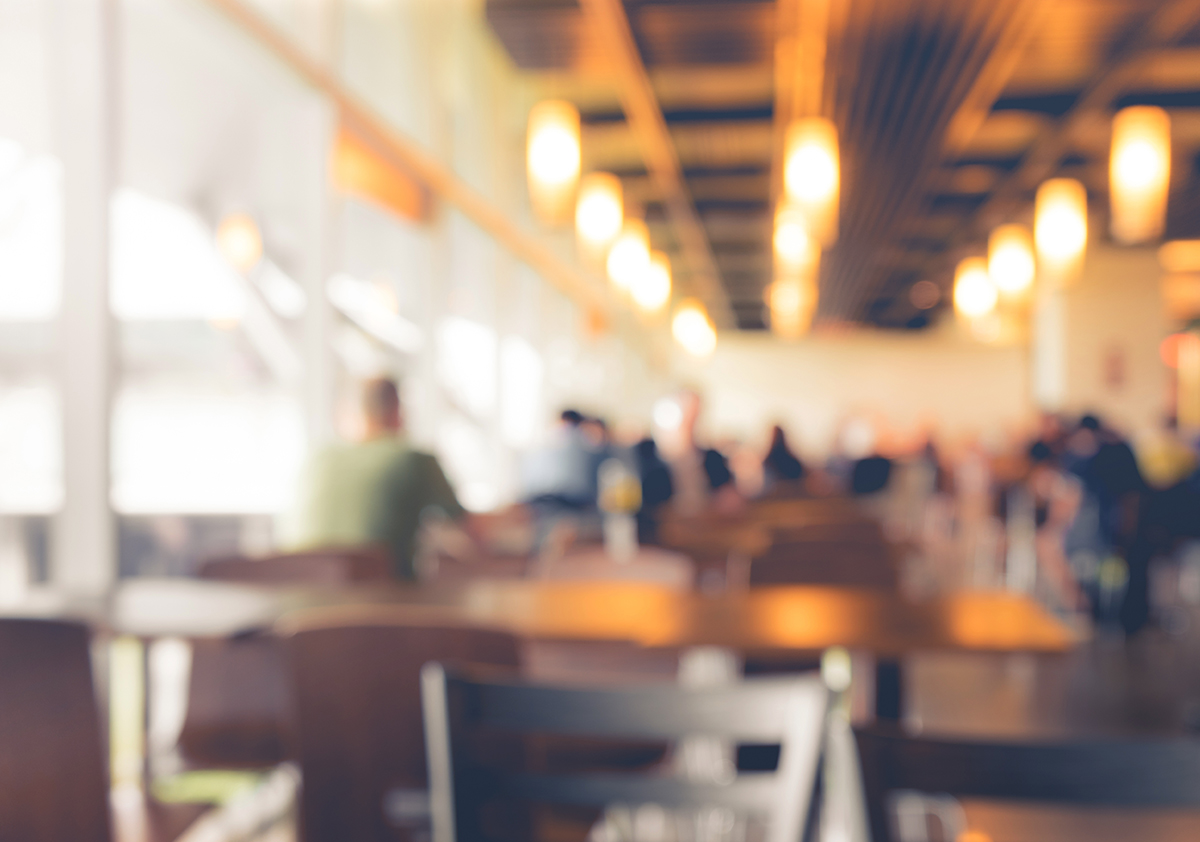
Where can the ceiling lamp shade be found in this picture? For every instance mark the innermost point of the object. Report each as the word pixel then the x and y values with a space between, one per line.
pixel 795 249
pixel 1060 227
pixel 599 212
pixel 552 159
pixel 629 257
pixel 1139 173
pixel 652 288
pixel 239 241
pixel 1010 262
pixel 792 302
pixel 693 329
pixel 974 293
pixel 812 174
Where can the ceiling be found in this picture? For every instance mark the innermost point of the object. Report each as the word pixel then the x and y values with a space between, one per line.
pixel 950 113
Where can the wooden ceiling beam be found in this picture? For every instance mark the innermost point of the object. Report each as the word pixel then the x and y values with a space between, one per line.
pixel 1045 154
pixel 610 24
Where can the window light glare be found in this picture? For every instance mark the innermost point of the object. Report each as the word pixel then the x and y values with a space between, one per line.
pixel 239 241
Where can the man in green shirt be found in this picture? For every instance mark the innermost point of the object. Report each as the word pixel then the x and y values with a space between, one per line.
pixel 372 491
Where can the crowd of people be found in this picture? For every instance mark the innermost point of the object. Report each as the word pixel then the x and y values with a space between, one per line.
pixel 1073 510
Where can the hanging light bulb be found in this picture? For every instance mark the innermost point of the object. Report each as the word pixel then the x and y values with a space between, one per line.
pixel 974 293
pixel 239 241
pixel 812 174
pixel 1060 227
pixel 693 330
pixel 599 212
pixel 1010 260
pixel 652 288
pixel 629 257
pixel 794 248
pixel 552 159
pixel 792 302
pixel 1139 173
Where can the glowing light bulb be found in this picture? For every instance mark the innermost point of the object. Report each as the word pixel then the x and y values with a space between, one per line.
pixel 599 211
pixel 794 248
pixel 552 159
pixel 652 289
pixel 629 257
pixel 792 302
pixel 239 241
pixel 812 174
pixel 693 330
pixel 974 293
pixel 1139 173
pixel 1011 264
pixel 1060 227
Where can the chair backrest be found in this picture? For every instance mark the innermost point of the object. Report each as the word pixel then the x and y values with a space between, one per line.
pixel 358 733
pixel 331 566
pixel 465 781
pixel 841 563
pixel 1113 772
pixel 53 780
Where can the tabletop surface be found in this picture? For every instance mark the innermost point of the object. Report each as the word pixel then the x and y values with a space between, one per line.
pixel 764 620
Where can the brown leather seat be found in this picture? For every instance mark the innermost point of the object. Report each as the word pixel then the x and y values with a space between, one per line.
pixel 359 737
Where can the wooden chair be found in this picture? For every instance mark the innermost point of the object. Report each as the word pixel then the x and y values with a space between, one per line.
pixel 470 780
pixel 53 775
pixel 1115 773
pixel 239 703
pixel 359 740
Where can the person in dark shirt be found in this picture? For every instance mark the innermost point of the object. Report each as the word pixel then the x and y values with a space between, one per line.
pixel 657 488
pixel 780 465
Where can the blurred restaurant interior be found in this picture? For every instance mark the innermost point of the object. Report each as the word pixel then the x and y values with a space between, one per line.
pixel 606 420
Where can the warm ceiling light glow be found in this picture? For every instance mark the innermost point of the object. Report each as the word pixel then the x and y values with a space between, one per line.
pixel 974 293
pixel 1010 259
pixel 652 289
pixel 792 302
pixel 1180 256
pixel 552 159
pixel 1060 227
pixel 794 248
pixel 812 174
pixel 239 241
pixel 693 330
pixel 1139 172
pixel 924 295
pixel 599 211
pixel 629 257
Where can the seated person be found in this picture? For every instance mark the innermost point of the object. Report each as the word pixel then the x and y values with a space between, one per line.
pixel 372 491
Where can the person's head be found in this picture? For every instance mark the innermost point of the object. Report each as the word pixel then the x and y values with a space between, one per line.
pixel 778 438
pixel 596 430
pixel 381 408
pixel 571 417
pixel 1090 422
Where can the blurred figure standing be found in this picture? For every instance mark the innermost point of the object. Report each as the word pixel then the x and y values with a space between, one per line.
pixel 372 491
pixel 562 474
pixel 655 477
pixel 700 477
pixel 781 467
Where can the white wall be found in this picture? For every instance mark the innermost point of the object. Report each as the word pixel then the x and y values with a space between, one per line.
pixel 1115 319
pixel 908 379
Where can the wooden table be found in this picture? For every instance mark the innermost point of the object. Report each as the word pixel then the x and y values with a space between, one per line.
pixel 786 619
pixel 776 622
